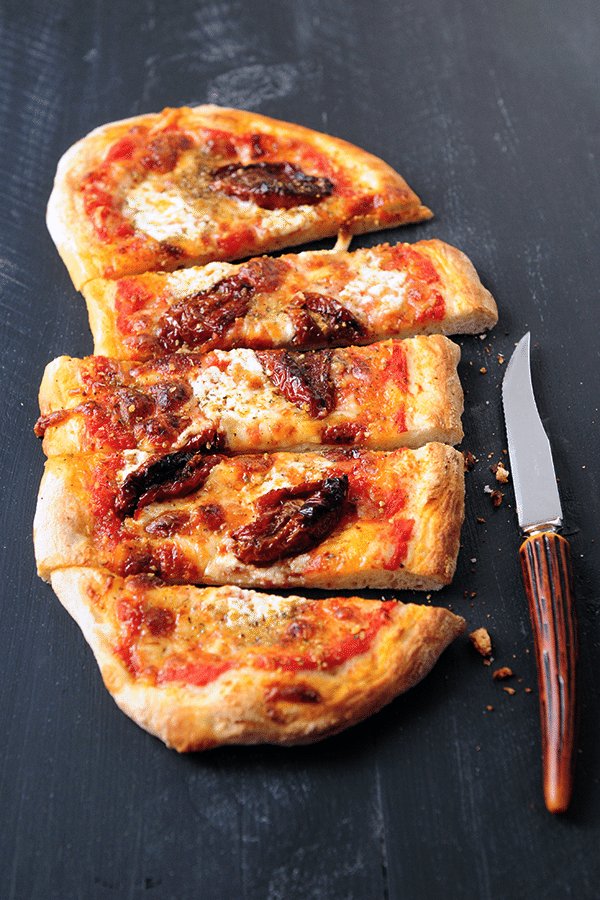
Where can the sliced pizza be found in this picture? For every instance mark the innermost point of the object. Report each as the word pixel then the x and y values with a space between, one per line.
pixel 188 186
pixel 326 298
pixel 382 396
pixel 203 667
pixel 339 519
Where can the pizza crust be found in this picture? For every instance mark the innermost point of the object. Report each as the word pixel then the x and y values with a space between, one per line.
pixel 246 705
pixel 380 198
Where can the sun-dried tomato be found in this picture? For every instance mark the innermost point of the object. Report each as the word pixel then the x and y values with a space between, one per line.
pixel 271 185
pixel 199 320
pixel 291 521
pixel 163 478
pixel 303 378
pixel 319 319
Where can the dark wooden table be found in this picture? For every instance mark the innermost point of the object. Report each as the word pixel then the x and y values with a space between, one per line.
pixel 492 113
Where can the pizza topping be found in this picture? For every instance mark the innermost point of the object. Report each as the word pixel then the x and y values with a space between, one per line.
pixel 205 317
pixel 161 154
pixel 400 534
pixel 330 647
pixel 198 672
pixel 291 521
pixel 423 296
pixel 57 417
pixel 159 621
pixel 121 417
pixel 212 516
pixel 168 524
pixel 302 378
pixel 271 185
pixel 242 629
pixel 319 319
pixel 343 433
pixel 163 478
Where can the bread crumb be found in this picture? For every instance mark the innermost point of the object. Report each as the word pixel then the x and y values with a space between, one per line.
pixel 469 460
pixel 509 690
pixel 500 472
pixel 481 641
pixel 489 708
pixel 501 674
pixel 496 498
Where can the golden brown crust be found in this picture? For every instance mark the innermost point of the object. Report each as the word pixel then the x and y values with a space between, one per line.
pixel 383 396
pixel 399 527
pixel 246 704
pixel 472 304
pixel 373 284
pixel 379 198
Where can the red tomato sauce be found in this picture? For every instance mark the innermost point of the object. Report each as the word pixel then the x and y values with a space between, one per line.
pixel 427 302
pixel 130 297
pixel 401 533
pixel 198 673
pixel 202 669
pixel 335 653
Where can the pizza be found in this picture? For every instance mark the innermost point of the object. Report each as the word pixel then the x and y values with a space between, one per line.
pixel 251 421
pixel 381 396
pixel 189 186
pixel 203 667
pixel 307 300
pixel 338 519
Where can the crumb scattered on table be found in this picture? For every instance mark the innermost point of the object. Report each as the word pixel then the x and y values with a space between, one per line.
pixel 501 674
pixel 481 641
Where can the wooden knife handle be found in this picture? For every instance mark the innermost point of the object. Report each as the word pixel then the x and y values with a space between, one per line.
pixel 546 564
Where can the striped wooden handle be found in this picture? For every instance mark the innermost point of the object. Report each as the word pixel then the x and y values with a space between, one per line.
pixel 546 564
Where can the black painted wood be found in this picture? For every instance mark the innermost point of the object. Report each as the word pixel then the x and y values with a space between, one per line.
pixel 491 112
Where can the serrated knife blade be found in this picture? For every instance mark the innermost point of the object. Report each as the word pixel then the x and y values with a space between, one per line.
pixel 547 574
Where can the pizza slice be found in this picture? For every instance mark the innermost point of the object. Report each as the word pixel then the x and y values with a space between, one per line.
pixel 317 298
pixel 203 667
pixel 382 396
pixel 188 186
pixel 339 519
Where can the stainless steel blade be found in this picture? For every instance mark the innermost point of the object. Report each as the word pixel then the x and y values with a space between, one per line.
pixel 532 469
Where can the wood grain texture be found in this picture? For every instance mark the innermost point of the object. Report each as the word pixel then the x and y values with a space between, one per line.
pixel 548 576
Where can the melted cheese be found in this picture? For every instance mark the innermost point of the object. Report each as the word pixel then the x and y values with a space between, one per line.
pixel 163 214
pixel 278 222
pixel 241 399
pixel 251 609
pixel 185 282
pixel 381 291
pixel 133 460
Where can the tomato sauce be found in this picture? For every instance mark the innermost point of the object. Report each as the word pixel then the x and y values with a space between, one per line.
pixel 401 533
pixel 107 526
pixel 130 297
pixel 424 297
pixel 199 673
pixel 333 654
pixel 203 668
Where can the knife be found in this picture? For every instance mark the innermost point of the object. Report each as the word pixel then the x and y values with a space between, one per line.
pixel 547 574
